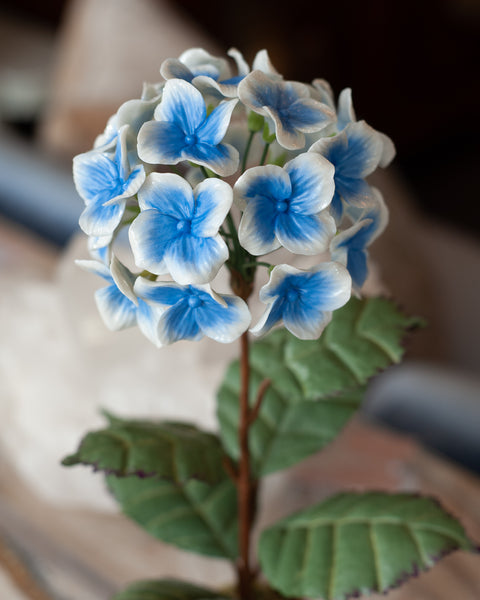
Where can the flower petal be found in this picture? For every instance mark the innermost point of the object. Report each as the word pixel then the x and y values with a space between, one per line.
pixel 388 150
pixel 150 235
pixel 168 193
pixel 178 323
pixel 304 322
pixel 262 62
pixel 172 68
pixel 363 153
pixel 224 324
pixel 123 279
pixel 287 137
pixel 147 320
pixel 311 176
pixel 95 267
pixel 98 219
pixel 242 66
pixel 136 112
pixel 309 115
pixel 183 105
pixel 345 113
pixel 193 259
pixel 256 231
pixel 333 286
pixel 116 310
pixel 305 234
pixel 213 129
pixel 222 159
pixel 163 293
pixel 95 176
pixel 272 316
pixel 213 200
pixel 353 191
pixel 161 143
pixel 201 62
pixel 269 181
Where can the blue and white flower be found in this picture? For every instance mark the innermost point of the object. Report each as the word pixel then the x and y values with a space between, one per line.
pixel 344 110
pixel 176 231
pixel 133 113
pixel 287 206
pixel 117 303
pixel 182 131
pixel 350 246
pixel 105 182
pixel 303 300
pixel 288 104
pixel 355 153
pixel 189 313
pixel 346 115
pixel 199 67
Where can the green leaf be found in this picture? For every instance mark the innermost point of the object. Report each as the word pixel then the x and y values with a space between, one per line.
pixel 167 589
pixel 173 451
pixel 363 337
pixel 193 516
pixel 357 544
pixel 287 429
pixel 316 386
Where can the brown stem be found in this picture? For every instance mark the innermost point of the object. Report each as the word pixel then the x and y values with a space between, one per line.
pixel 244 480
pixel 263 387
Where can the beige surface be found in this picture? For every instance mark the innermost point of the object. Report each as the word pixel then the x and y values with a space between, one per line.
pixel 105 52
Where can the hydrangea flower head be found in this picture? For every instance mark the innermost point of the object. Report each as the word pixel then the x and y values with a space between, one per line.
pixel 167 170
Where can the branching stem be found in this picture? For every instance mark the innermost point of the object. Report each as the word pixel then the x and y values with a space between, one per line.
pixel 258 402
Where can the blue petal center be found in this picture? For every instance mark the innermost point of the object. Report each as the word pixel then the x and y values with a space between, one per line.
pixel 194 301
pixel 292 295
pixel 282 206
pixel 184 226
pixel 191 139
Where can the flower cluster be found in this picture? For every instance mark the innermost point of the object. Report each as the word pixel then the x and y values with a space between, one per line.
pixel 211 169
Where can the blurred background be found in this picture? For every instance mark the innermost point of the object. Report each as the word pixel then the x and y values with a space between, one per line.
pixel 66 66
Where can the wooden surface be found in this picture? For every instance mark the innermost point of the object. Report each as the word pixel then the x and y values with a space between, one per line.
pixel 83 555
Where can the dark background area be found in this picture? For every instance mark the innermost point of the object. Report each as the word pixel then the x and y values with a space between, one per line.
pixel 413 67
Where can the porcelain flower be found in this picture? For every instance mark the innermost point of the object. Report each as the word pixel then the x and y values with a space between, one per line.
pixel 288 104
pixel 117 303
pixel 355 153
pixel 286 206
pixel 199 67
pixel 106 181
pixel 193 312
pixel 176 231
pixel 303 300
pixel 350 246
pixel 182 131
